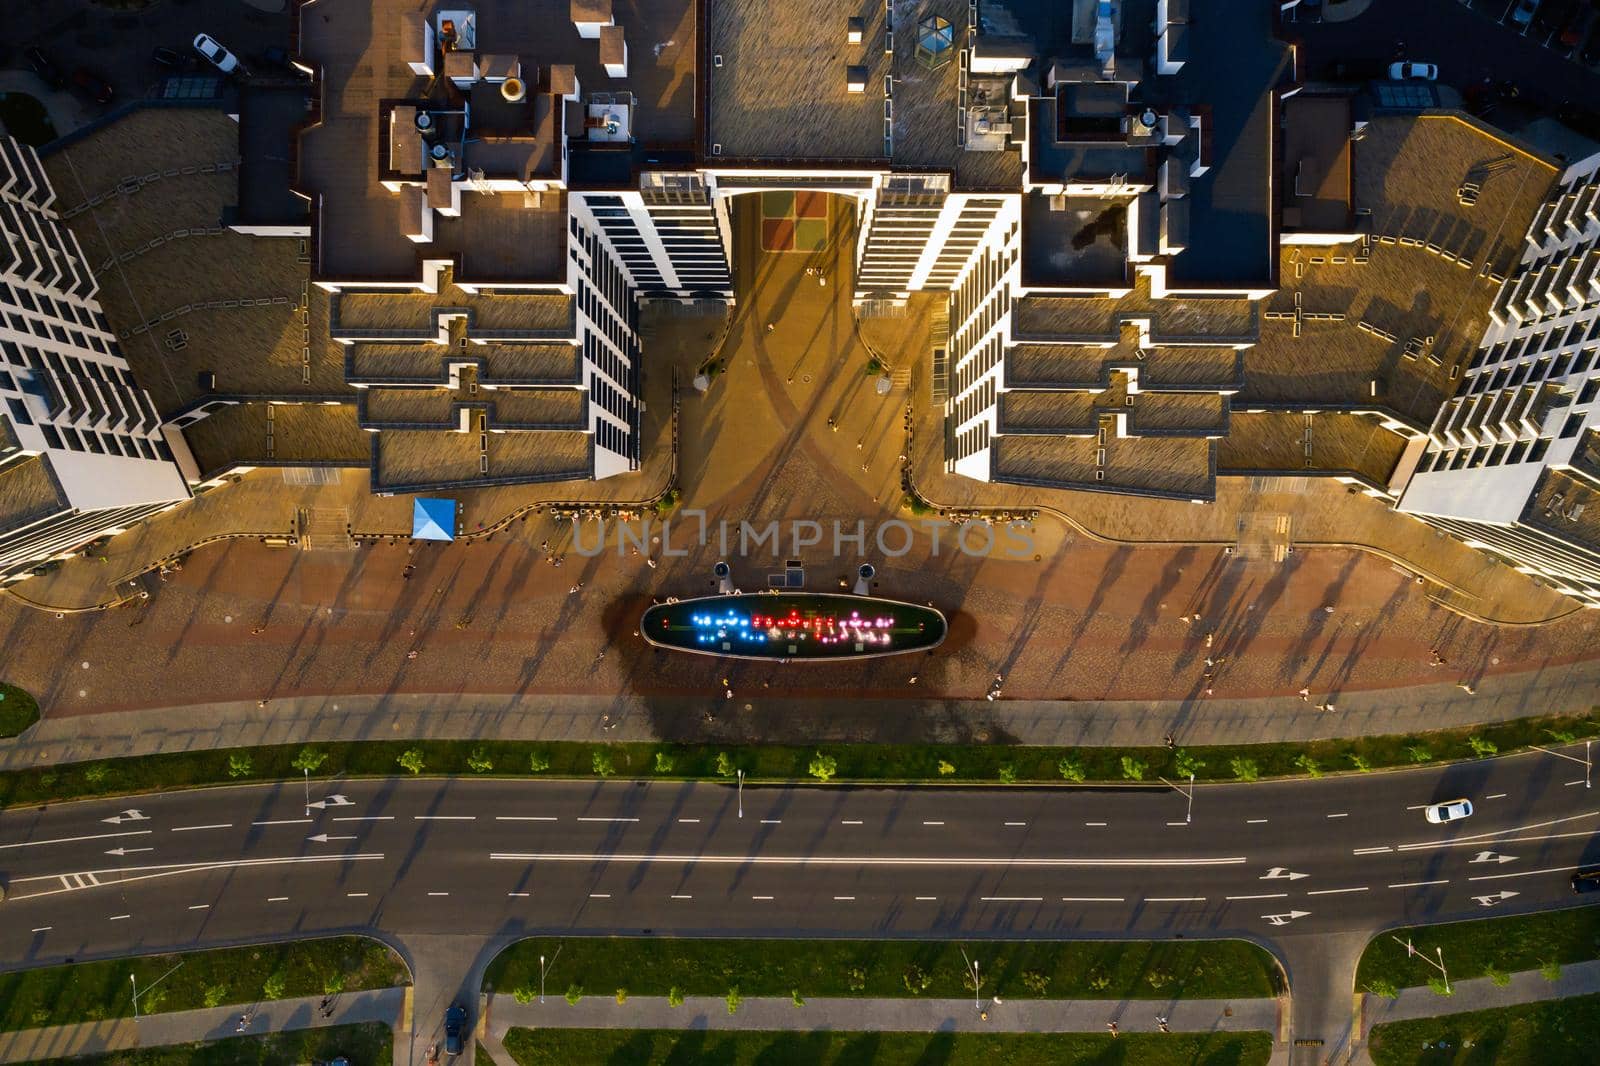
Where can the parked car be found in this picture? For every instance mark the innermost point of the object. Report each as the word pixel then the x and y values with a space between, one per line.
pixel 1553 14
pixel 455 1022
pixel 1522 14
pixel 1402 71
pixel 162 56
pixel 1448 811
pixel 218 56
pixel 43 66
pixel 92 85
pixel 1586 879
pixel 1577 27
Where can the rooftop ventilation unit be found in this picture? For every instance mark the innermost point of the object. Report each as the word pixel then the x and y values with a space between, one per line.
pixel 513 90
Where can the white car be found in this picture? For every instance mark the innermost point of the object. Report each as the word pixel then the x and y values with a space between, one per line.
pixel 1403 71
pixel 219 56
pixel 1448 811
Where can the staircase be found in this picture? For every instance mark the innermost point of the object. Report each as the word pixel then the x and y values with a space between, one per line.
pixel 324 529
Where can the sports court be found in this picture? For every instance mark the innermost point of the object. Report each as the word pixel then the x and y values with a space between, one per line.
pixel 794 221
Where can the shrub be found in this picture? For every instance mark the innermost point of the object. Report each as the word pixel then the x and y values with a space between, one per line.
pixel 674 996
pixel 1482 748
pixel 275 985
pixel 1070 769
pixel 333 984
pixel 538 762
pixel 1186 764
pixel 1418 753
pixel 1158 979
pixel 239 764
pixel 1439 987
pixel 1133 769
pixel 725 767
pixel 1099 980
pixel 946 768
pixel 478 760
pixel 1008 774
pixel 1244 769
pixel 622 996
pixel 1498 977
pixel 1360 763
pixel 153 999
pixel 411 761
pixel 855 979
pixel 1550 971
pixel 308 760
pixel 600 762
pixel 733 999
pixel 574 994
pixel 823 766
pixel 525 994
pixel 1036 982
pixel 916 979
pixel 1561 736
pixel 96 773
pixel 1379 986
pixel 216 995
pixel 796 998
pixel 1308 765
pixel 663 763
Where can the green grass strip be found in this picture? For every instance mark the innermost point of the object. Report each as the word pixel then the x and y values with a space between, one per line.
pixel 1561 1032
pixel 649 1047
pixel 18 710
pixel 654 966
pixel 363 1045
pixel 94 991
pixel 1483 948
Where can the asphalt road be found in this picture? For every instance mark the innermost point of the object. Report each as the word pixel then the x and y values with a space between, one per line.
pixel 507 857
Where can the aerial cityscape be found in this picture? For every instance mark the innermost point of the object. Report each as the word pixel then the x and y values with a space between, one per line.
pixel 787 532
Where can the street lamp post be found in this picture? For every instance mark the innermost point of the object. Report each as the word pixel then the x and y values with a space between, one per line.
pixel 1188 815
pixel 307 769
pixel 741 793
pixel 1412 952
pixel 134 978
pixel 543 969
pixel 977 1004
pixel 1588 763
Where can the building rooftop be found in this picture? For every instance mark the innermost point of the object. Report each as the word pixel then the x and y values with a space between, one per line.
pixel 295 434
pixel 1314 173
pixel 1075 241
pixel 269 120
pixel 29 492
pixel 1291 442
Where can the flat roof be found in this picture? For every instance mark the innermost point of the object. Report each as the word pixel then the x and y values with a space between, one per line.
pixel 1315 181
pixel 29 492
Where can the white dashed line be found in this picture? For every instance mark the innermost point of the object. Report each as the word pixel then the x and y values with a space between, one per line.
pixel 1269 895
pixel 524 817
pixel 285 821
pixel 201 907
pixel 366 818
pixel 44 929
pixel 599 895
pixel 277 899
pixel 518 895
pixel 1011 899
pixel 1524 873
pixel 1095 825
pixel 355 895
pixel 196 828
pixel 772 821
pixel 852 821
pixel 120 917
pixel 932 823
pixel 1371 851
pixel 1341 814
pixel 927 899
pixel 444 817
pixel 1419 884
pixel 608 819
pixel 1014 825
pixel 438 893
pixel 761 897
pixel 1177 823
pixel 1255 821
pixel 1091 899
pixel 1174 899
pixel 1334 891
pixel 689 821
pixel 844 899
pixel 677 896
pixel 1496 796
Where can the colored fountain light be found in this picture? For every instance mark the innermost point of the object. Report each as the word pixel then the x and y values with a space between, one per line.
pixel 796 625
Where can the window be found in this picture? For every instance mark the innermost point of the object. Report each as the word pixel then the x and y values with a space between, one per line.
pixel 19 412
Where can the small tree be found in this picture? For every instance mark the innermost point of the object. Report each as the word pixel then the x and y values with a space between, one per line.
pixel 216 995
pixel 601 763
pixel 946 768
pixel 1244 769
pixel 823 767
pixel 796 998
pixel 1036 982
pixel 734 999
pixel 916 979
pixel 478 760
pixel 1307 765
pixel 1187 764
pixel 1418 753
pixel 333 984
pixel 725 767
pixel 309 760
pixel 96 773
pixel 1550 971
pixel 411 761
pixel 538 762
pixel 1482 748
pixel 1498 977
pixel 1561 736
pixel 1070 769
pixel 674 996
pixel 1158 979
pixel 275 985
pixel 1008 774
pixel 524 993
pixel 1360 763
pixel 1437 984
pixel 663 763
pixel 622 996
pixel 574 994
pixel 855 979
pixel 239 764
pixel 1133 768
pixel 1379 986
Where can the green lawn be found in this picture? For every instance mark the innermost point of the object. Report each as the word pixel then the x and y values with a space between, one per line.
pixel 644 1047
pixel 25 118
pixel 91 991
pixel 957 764
pixel 364 1045
pixel 1471 949
pixel 1562 1032
pixel 1070 969
pixel 18 710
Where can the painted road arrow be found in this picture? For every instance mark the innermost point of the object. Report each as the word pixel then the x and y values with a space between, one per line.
pixel 1280 872
pixel 1285 919
pixel 119 852
pixel 127 816
pixel 323 838
pixel 1498 897
pixel 335 800
pixel 1489 856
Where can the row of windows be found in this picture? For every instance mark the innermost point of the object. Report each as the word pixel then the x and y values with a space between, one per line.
pixel 613 438
pixel 1576 333
pixel 971 442
pixel 976 365
pixel 19 296
pixel 973 403
pixel 1544 368
pixel 1486 455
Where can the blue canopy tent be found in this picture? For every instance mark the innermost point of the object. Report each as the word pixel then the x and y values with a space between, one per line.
pixel 433 519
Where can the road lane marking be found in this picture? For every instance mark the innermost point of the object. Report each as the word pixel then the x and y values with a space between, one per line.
pixel 1372 851
pixel 1579 781
pixel 119 917
pixel 927 899
pixel 608 819
pixel 1012 825
pixel 599 895
pixel 365 818
pixel 444 817
pixel 438 893
pixel 854 860
pixel 1419 884
pixel 196 828
pixel 1341 814
pixel 277 899
pixel 125 875
pixel 760 897
pixel 74 840
pixel 1496 796
pixel 1095 825
pixel 1255 821
pixel 44 929
pixel 772 821
pixel 681 896
pixel 1174 899
pixel 1478 844
pixel 689 821
pixel 285 821
pixel 1011 899
pixel 1334 891
pixel 1486 837
pixel 844 899
pixel 1267 895
pixel 356 895
pixel 1177 823
pixel 525 818
pixel 1091 899
pixel 200 907
pixel 852 821
pixel 1524 873
pixel 932 823
pixel 518 895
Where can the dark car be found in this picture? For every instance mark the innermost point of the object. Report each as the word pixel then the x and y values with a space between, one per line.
pixel 455 1021
pixel 43 66
pixel 92 85
pixel 162 56
pixel 1586 879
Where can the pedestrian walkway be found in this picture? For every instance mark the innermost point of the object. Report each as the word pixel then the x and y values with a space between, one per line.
pixel 887 1015
pixel 386 1006
pixel 1480 993
pixel 562 717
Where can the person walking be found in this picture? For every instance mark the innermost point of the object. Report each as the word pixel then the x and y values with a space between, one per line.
pixel 1111 1027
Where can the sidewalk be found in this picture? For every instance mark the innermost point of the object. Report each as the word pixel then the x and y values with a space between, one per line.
pixel 326 719
pixel 883 1015
pixel 185 1027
